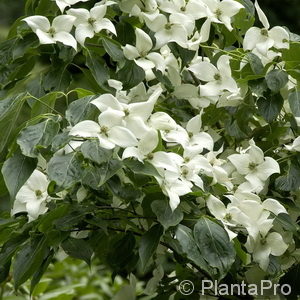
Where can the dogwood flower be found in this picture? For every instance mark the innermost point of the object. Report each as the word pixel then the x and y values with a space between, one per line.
pixel 176 28
pixel 263 39
pixel 219 12
pixel 32 197
pixel 59 31
pixel 218 79
pixel 192 8
pixel 295 145
pixel 108 130
pixel 90 22
pixel 254 166
pixel 62 4
pixel 264 245
pixel 144 148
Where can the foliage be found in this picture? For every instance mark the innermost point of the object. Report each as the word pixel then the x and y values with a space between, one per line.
pixel 156 139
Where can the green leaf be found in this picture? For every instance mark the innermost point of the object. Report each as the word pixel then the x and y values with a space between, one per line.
pixel 290 181
pixel 96 176
pixel 81 109
pixel 9 112
pixel 37 136
pixel 98 69
pixel 276 80
pixel 286 222
pixel 113 49
pixel 294 101
pixel 16 170
pixel 78 248
pixel 131 75
pixel 91 150
pixel 149 243
pixel 140 168
pixel 28 260
pixel 270 107
pixel 255 63
pixel 165 215
pixel 65 170
pixel 214 244
pixel 56 79
pixel 184 236
pixel 44 105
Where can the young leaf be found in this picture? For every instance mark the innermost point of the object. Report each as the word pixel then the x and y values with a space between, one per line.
pixel 16 170
pixel 149 243
pixel 215 246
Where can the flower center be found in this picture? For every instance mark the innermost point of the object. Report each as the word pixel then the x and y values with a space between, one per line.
pixel 187 159
pixel 183 8
pixel 91 21
pixel 184 171
pixel 218 13
pixel 51 31
pixel 126 112
pixel 150 156
pixel 104 130
pixel 263 241
pixel 264 32
pixel 217 76
pixel 168 26
pixel 228 217
pixel 190 134
pixel 38 193
pixel 252 166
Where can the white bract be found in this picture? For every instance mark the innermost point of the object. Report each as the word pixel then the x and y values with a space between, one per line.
pixel 90 22
pixel 32 197
pixel 59 31
pixel 62 4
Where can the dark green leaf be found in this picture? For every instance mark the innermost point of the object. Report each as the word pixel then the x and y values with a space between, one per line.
pixel 44 105
pixel 270 107
pixel 165 215
pixel 9 112
pixel 16 170
pixel 140 168
pixel 37 136
pixel 276 80
pixel 57 79
pixel 184 236
pixel 65 170
pixel 255 63
pixel 131 75
pixel 149 243
pixel 81 109
pixel 214 244
pixel 290 181
pixel 113 48
pixel 91 150
pixel 28 260
pixel 78 248
pixel 294 101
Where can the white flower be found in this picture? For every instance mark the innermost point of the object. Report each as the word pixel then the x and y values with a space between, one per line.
pixel 295 146
pixel 144 148
pixel 175 29
pixel 62 4
pixel 32 197
pixel 108 130
pixel 264 39
pixel 254 166
pixel 90 22
pixel 263 246
pixel 219 12
pixel 59 31
pixel 192 8
pixel 218 79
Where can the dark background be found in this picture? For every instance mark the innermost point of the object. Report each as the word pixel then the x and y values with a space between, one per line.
pixel 279 12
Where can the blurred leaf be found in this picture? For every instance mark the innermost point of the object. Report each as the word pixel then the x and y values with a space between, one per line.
pixel 276 80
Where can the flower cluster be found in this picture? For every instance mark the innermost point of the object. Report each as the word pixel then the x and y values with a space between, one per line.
pixel 183 151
